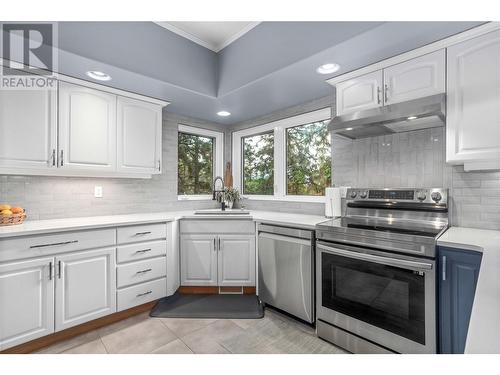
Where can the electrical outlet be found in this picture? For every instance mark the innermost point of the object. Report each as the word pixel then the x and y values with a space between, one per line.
pixel 98 191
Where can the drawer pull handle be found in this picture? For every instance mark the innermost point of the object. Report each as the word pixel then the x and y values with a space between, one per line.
pixel 50 271
pixel 142 251
pixel 142 233
pixel 53 244
pixel 145 271
pixel 145 293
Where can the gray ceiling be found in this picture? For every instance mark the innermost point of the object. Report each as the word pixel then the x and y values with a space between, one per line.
pixel 269 68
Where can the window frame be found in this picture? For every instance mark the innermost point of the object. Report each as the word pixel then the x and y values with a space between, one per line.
pixel 279 127
pixel 218 156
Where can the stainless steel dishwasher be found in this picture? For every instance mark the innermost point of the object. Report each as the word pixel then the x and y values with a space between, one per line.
pixel 286 269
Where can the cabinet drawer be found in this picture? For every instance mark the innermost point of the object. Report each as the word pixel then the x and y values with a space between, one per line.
pixel 142 293
pixel 55 243
pixel 140 251
pixel 218 226
pixel 139 233
pixel 138 272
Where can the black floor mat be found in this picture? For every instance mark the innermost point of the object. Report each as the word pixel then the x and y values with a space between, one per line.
pixel 209 306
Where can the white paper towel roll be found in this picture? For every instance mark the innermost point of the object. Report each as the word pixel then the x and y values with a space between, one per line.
pixel 332 202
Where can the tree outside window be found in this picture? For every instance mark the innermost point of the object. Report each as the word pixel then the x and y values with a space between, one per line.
pixel 308 159
pixel 258 164
pixel 195 164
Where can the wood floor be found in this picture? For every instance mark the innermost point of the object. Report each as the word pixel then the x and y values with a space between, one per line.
pixel 274 334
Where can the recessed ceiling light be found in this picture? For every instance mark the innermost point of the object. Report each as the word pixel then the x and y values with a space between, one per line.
pixel 328 68
pixel 348 128
pixel 412 117
pixel 100 76
pixel 224 113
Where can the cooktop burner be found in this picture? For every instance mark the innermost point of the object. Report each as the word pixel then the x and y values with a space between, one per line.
pixel 399 220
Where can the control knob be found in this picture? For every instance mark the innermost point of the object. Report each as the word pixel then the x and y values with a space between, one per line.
pixel 421 195
pixel 363 194
pixel 436 196
pixel 353 194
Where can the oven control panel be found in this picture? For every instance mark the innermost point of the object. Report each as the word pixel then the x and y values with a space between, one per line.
pixel 415 195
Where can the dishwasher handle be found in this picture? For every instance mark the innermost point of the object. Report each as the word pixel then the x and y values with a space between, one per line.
pixel 279 237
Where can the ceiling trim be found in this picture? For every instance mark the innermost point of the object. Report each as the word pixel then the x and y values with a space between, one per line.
pixel 203 43
pixel 238 35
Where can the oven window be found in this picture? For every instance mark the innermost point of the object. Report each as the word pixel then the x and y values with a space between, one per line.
pixel 388 297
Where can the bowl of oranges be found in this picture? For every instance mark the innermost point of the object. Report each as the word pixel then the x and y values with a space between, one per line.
pixel 10 215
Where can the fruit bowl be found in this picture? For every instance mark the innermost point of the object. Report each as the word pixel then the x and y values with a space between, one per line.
pixel 13 219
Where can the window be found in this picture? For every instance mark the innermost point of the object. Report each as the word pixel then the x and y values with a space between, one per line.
pixel 289 159
pixel 199 161
pixel 258 164
pixel 308 159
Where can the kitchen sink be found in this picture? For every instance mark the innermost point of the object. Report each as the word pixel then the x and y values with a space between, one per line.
pixel 218 211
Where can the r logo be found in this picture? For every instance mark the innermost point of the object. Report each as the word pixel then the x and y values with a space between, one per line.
pixel 28 47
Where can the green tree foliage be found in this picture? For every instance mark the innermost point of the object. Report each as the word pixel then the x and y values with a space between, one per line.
pixel 309 162
pixel 195 164
pixel 258 164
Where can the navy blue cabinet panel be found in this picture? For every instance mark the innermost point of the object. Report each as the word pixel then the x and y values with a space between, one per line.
pixel 457 279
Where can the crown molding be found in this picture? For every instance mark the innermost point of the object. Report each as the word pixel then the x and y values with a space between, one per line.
pixel 211 46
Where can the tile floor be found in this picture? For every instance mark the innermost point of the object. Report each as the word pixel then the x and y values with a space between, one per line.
pixel 274 334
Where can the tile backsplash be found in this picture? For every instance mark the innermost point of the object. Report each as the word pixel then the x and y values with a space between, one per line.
pixel 413 159
pixel 417 159
pixel 59 197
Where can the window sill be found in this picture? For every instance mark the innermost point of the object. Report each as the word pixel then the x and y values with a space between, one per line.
pixel 194 197
pixel 288 198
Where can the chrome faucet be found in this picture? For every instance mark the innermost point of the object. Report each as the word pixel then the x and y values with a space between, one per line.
pixel 219 194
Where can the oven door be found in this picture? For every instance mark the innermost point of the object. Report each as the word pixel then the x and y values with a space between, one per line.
pixel 386 298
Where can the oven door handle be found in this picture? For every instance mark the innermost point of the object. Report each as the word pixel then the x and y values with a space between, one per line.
pixel 407 264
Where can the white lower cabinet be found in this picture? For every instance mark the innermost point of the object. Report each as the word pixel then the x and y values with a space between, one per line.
pixel 236 264
pixel 198 260
pixel 27 296
pixel 214 253
pixel 85 287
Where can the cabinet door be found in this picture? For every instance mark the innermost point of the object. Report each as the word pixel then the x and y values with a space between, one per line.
pixel 26 301
pixel 87 128
pixel 236 260
pixel 28 126
pixel 359 93
pixel 139 136
pixel 473 102
pixel 198 260
pixel 85 287
pixel 459 271
pixel 417 78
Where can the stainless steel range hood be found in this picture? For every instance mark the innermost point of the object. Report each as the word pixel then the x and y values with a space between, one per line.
pixel 423 113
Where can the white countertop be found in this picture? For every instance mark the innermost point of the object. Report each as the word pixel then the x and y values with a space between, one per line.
pixel 484 327
pixel 79 223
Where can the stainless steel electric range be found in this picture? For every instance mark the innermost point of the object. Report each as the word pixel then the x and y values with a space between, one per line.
pixel 376 271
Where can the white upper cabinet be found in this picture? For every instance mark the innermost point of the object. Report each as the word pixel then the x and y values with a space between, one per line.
pixel 236 260
pixel 87 128
pixel 359 93
pixel 473 103
pixel 26 301
pixel 28 129
pixel 139 136
pixel 86 287
pixel 416 78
